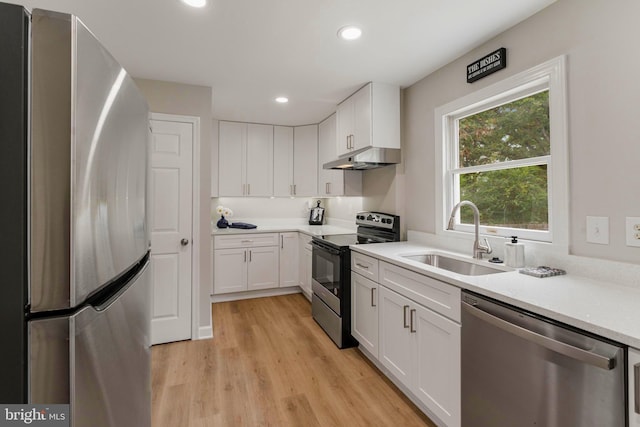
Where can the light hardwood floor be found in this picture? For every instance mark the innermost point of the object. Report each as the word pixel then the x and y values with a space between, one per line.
pixel 270 364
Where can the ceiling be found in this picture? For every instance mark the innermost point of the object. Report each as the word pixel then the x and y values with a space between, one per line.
pixel 250 51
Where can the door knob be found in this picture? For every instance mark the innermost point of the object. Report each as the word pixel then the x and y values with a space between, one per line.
pixel 184 242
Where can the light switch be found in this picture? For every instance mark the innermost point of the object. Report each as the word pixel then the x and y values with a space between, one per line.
pixel 598 230
pixel 632 231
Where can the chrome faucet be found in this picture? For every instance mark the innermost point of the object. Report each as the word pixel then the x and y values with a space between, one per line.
pixel 478 248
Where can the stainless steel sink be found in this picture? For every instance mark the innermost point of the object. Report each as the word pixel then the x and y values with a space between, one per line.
pixel 465 268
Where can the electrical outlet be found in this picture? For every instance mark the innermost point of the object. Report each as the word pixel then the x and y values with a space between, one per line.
pixel 598 230
pixel 633 231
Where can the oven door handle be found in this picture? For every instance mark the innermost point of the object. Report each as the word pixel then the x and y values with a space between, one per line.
pixel 324 248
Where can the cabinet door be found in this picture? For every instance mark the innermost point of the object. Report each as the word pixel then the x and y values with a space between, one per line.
pixel 282 161
pixel 308 259
pixel 362 118
pixel 262 268
pixel 364 312
pixel 305 160
pixel 304 264
pixel 229 270
pixel 396 341
pixel 437 371
pixel 344 118
pixel 289 251
pixel 330 182
pixel 231 161
pixel 259 160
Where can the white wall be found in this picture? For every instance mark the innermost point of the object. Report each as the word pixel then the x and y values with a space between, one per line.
pixel 600 41
pixel 190 100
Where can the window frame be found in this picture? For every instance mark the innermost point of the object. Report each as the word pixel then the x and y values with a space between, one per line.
pixel 547 76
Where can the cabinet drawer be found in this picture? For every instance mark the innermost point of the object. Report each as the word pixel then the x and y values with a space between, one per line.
pixel 246 240
pixel 364 265
pixel 438 296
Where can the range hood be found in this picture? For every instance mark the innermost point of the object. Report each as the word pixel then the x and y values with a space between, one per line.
pixel 367 158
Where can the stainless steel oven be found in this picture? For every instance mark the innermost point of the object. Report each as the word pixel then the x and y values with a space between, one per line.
pixel 331 272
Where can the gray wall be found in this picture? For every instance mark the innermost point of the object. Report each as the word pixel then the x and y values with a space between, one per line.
pixel 600 41
pixel 189 100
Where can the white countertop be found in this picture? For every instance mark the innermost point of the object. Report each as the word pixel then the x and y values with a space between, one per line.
pixel 312 230
pixel 602 308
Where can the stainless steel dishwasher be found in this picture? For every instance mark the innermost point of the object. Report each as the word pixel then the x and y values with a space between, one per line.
pixel 520 369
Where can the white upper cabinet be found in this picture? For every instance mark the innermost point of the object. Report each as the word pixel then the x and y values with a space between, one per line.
pixel 282 161
pixel 231 162
pixel 334 182
pixel 295 161
pixel 369 118
pixel 245 165
pixel 305 160
pixel 259 160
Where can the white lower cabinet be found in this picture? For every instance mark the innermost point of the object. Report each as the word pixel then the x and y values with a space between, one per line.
pixel 289 253
pixel 397 347
pixel 262 268
pixel 364 313
pixel 230 270
pixel 412 342
pixel 245 262
pixel 634 387
pixel 304 265
pixel 237 270
pixel 437 369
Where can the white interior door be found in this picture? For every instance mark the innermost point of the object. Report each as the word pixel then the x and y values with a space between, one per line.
pixel 171 229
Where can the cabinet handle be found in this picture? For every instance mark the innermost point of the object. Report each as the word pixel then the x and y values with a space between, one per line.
pixel 244 189
pixel 404 309
pixel 348 141
pixel 366 267
pixel 245 256
pixel 248 189
pixel 291 189
pixel 246 241
pixel 373 304
pixel 294 189
pixel 281 242
pixel 411 320
pixel 636 387
pixel 249 256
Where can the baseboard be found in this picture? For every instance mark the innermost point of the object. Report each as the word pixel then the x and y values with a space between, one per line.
pixel 205 333
pixel 236 296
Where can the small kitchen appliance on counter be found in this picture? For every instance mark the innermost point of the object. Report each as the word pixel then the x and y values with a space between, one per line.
pixel 331 272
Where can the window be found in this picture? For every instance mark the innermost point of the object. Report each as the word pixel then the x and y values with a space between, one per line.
pixel 504 149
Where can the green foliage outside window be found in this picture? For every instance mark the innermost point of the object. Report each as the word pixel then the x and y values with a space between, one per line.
pixel 514 197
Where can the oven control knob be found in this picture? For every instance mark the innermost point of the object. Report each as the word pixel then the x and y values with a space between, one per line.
pixel 370 218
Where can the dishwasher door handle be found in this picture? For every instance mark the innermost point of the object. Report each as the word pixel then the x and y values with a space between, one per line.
pixel 568 350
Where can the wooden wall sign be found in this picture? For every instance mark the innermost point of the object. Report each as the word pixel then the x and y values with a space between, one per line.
pixel 487 65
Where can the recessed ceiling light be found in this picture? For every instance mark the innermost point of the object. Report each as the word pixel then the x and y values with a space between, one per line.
pixel 349 32
pixel 282 99
pixel 195 3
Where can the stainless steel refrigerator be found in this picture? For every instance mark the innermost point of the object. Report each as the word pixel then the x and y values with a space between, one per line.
pixel 75 289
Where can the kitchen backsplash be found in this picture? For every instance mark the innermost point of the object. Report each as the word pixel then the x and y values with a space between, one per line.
pixel 344 208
